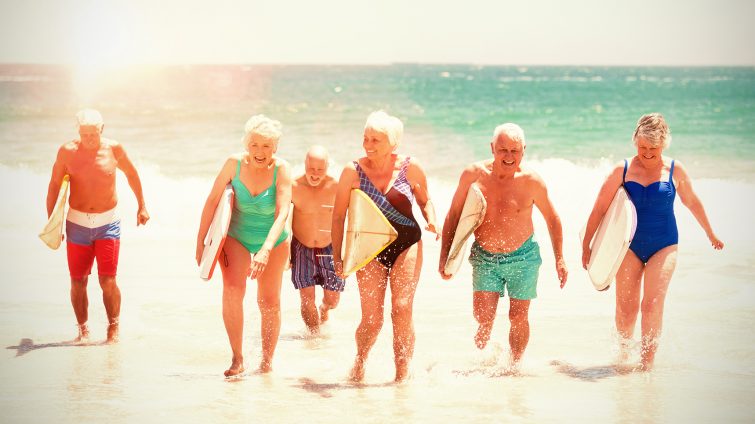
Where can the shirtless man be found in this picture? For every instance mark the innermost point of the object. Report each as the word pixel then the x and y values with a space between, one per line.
pixel 93 229
pixel 505 254
pixel 311 251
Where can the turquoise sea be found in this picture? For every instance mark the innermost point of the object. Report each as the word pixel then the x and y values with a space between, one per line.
pixel 178 124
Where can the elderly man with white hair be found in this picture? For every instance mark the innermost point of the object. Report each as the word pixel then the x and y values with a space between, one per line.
pixel 93 228
pixel 505 255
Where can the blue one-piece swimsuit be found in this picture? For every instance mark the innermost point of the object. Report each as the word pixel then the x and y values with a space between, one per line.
pixel 656 223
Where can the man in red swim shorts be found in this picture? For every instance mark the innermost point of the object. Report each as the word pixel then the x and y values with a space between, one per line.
pixel 92 226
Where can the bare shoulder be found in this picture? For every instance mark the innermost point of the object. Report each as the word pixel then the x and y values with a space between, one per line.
pixel 680 171
pixel 530 176
pixel 477 170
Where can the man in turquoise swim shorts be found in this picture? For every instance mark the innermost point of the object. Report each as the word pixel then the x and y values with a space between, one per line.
pixel 505 256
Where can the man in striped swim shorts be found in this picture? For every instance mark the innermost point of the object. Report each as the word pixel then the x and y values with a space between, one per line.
pixel 93 229
pixel 311 252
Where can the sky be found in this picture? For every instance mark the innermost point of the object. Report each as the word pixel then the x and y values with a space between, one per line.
pixel 527 32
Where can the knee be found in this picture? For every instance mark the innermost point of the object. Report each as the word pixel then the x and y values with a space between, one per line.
pixel 107 282
pixel 372 323
pixel 268 304
pixel 518 317
pixel 652 306
pixel 331 302
pixel 401 308
pixel 79 283
pixel 627 308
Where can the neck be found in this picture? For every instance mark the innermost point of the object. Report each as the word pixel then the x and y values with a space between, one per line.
pixel 381 162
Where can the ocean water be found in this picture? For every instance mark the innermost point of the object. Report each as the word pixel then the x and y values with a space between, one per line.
pixel 178 124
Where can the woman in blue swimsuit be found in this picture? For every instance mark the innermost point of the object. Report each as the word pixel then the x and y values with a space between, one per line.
pixel 652 182
pixel 257 244
pixel 393 182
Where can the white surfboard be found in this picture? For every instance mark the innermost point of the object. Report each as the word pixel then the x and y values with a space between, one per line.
pixel 471 217
pixel 368 232
pixel 52 233
pixel 216 234
pixel 611 240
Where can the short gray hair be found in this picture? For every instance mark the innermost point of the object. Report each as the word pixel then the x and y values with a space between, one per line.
pixel 89 117
pixel 386 124
pixel 512 131
pixel 653 128
pixel 264 126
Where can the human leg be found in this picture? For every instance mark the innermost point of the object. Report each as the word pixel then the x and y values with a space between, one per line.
pixel 404 277
pixel 80 259
pixel 519 333
pixel 628 288
pixel 234 263
pixel 309 309
pixel 658 273
pixel 372 280
pixel 268 301
pixel 330 299
pixel 484 306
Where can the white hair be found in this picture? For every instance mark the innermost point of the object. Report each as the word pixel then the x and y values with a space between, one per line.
pixel 512 131
pixel 386 124
pixel 89 117
pixel 262 125
pixel 653 128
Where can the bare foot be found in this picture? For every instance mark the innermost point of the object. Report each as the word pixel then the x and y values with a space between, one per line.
pixel 357 371
pixel 265 366
pixel 646 365
pixel 323 313
pixel 402 374
pixel 625 348
pixel 83 336
pixel 237 367
pixel 514 367
pixel 482 336
pixel 112 333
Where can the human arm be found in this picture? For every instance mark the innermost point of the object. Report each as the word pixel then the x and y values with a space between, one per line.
pixel 468 177
pixel 125 165
pixel 222 179
pixel 692 202
pixel 340 206
pixel 553 221
pixel 418 181
pixel 602 202
pixel 56 178
pixel 282 208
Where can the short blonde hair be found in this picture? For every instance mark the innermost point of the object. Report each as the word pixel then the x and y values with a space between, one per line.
pixel 512 131
pixel 89 117
pixel 653 128
pixel 264 126
pixel 386 124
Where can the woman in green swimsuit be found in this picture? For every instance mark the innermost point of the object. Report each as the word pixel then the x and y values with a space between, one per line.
pixel 257 244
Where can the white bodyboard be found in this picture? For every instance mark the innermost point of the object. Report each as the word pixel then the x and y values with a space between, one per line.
pixel 216 234
pixel 611 240
pixel 471 217
pixel 52 233
pixel 368 232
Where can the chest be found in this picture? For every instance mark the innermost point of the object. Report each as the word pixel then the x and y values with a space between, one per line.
pixel 506 198
pixel 93 165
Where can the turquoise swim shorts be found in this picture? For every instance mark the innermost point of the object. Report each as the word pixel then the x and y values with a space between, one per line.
pixel 515 271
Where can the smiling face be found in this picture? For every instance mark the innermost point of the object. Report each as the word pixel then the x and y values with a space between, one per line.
pixel 648 153
pixel 89 136
pixel 261 150
pixel 507 153
pixel 315 169
pixel 376 144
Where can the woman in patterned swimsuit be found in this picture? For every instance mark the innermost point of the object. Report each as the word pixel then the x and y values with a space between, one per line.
pixel 392 181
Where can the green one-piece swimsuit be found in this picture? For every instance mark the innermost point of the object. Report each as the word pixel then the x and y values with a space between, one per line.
pixel 253 216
